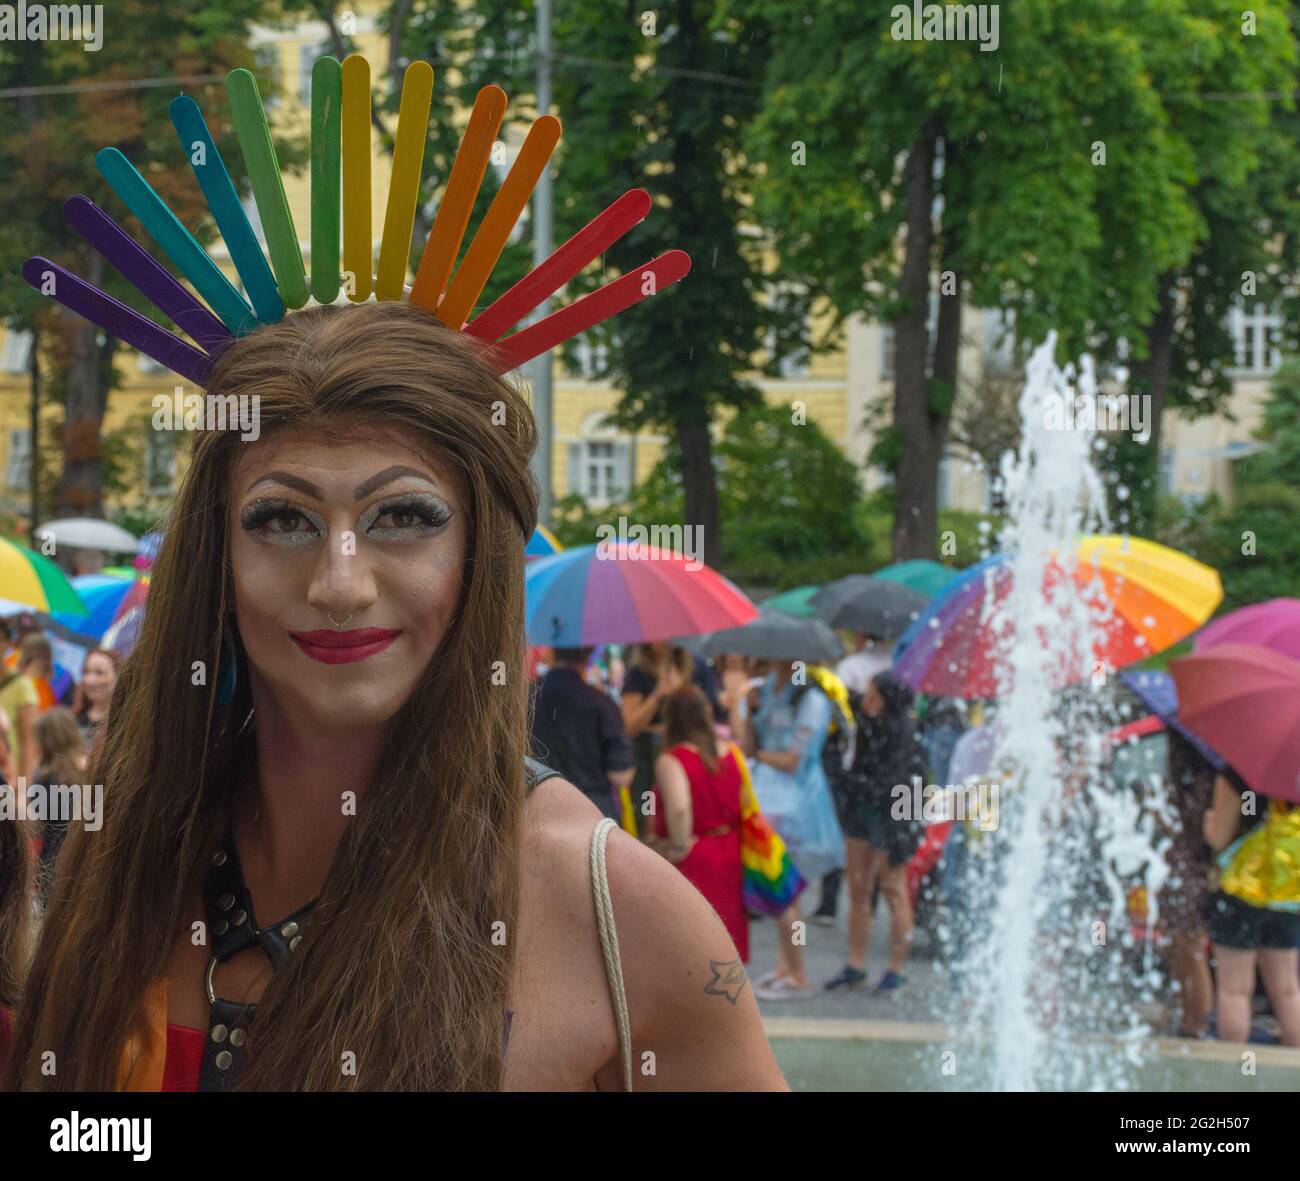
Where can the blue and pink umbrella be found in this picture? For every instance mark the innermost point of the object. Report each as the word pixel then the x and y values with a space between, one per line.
pixel 627 594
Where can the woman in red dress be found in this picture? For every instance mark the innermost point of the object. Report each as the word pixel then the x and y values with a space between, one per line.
pixel 697 822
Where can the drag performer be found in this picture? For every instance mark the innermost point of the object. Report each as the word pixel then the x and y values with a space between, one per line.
pixel 326 862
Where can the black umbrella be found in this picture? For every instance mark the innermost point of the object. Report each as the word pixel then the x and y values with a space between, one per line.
pixel 875 606
pixel 774 635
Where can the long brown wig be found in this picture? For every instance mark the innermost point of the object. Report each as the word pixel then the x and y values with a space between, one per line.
pixel 398 965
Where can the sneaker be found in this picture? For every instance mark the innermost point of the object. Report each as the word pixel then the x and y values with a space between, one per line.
pixel 1261 1033
pixel 782 989
pixel 891 983
pixel 822 920
pixel 847 977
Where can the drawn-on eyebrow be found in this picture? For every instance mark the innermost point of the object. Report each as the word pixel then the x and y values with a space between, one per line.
pixel 387 476
pixel 289 481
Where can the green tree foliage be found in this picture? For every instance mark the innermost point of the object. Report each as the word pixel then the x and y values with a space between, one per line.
pixel 792 504
pixel 1061 171
pixel 117 96
pixel 1254 543
pixel 1234 113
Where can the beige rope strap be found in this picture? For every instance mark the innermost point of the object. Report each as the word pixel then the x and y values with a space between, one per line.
pixel 609 944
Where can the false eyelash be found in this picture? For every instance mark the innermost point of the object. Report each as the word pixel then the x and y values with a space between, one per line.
pixel 261 512
pixel 431 511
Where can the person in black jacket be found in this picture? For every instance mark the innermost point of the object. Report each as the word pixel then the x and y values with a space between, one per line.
pixel 880 832
pixel 578 730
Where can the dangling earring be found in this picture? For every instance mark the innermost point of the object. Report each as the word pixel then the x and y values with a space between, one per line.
pixel 226 670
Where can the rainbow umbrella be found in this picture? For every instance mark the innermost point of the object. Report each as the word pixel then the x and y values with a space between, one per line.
pixel 627 594
pixel 1152 597
pixel 31 579
pixel 542 544
pixel 122 633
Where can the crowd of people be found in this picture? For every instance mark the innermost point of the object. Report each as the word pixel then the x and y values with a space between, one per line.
pixel 664 745
pixel 664 741
pixel 48 728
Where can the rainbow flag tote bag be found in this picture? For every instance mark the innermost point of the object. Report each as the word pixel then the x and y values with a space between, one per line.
pixel 771 880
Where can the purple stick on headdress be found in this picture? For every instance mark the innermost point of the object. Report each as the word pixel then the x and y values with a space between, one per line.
pixel 140 269
pixel 114 317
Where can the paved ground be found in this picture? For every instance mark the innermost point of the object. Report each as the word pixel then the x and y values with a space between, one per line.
pixel 926 998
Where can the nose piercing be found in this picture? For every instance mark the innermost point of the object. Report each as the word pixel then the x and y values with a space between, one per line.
pixel 336 623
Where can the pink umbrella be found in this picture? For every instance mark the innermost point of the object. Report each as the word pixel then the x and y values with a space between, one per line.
pixel 1244 700
pixel 1275 624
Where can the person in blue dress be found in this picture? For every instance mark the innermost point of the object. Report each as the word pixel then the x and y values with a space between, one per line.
pixel 784 739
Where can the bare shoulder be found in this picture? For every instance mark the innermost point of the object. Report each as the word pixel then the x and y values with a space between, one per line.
pixel 695 1023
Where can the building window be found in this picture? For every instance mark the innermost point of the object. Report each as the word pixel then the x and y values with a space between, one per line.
pixel 600 464
pixel 18 351
pixel 1168 463
pixel 945 490
pixel 593 356
pixel 307 55
pixel 1255 333
pixel 601 475
pixel 160 449
pixel 999 341
pixel 18 465
pixel 266 60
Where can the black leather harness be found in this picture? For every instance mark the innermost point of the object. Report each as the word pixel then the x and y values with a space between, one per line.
pixel 232 926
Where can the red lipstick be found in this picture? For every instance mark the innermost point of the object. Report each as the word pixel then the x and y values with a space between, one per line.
pixel 336 647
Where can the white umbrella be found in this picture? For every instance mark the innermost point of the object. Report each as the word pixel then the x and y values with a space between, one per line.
pixel 974 755
pixel 89 533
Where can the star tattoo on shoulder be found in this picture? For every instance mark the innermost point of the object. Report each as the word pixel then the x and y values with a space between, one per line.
pixel 728 979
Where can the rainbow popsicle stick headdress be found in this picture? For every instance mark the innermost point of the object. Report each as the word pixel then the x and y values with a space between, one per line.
pixel 340 177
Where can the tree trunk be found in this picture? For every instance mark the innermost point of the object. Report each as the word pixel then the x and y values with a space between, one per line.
pixel 701 489
pixel 915 489
pixel 34 470
pixel 947 357
pixel 1138 462
pixel 85 396
pixel 1155 369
